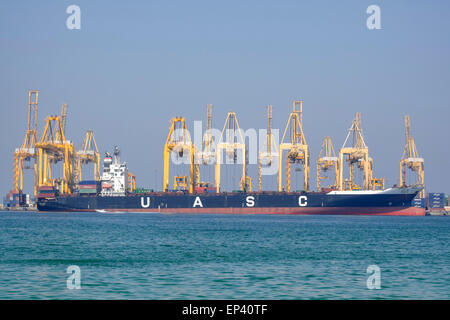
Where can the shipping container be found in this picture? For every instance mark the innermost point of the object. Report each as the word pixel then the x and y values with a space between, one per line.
pixel 436 195
pixel 142 190
pixel 46 195
pixel 419 203
pixel 47 188
pixel 46 191
pixel 88 182
pixel 92 191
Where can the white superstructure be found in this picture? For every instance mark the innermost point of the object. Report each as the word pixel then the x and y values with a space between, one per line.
pixel 408 190
pixel 114 176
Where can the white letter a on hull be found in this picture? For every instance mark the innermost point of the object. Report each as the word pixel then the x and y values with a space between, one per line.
pixel 197 202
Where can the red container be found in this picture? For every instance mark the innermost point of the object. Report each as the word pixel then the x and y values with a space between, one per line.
pixel 87 186
pixel 46 188
pixel 46 195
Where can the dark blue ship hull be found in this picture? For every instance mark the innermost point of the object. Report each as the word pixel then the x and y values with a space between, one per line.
pixel 381 203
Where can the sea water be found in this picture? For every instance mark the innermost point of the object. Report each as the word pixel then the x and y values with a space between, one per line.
pixel 193 256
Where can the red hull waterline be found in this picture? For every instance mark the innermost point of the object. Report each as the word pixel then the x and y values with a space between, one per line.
pixel 372 211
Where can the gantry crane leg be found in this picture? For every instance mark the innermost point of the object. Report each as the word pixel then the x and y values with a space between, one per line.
pixel 288 175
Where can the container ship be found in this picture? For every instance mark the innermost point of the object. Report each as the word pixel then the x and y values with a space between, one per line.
pixel 110 195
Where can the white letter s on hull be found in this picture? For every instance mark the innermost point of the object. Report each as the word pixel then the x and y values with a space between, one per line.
pixel 250 201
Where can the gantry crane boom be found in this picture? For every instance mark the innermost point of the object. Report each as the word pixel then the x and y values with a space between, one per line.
pixel 63 121
pixel 208 147
pixel 179 141
pixel 373 182
pixel 233 141
pixel 411 159
pixel 298 151
pixel 27 150
pixel 269 150
pixel 357 153
pixel 327 159
pixel 88 154
pixel 207 155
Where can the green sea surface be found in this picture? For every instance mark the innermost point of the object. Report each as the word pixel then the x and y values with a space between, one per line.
pixel 193 256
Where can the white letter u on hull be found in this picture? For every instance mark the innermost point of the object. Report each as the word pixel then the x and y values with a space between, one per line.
pixel 146 204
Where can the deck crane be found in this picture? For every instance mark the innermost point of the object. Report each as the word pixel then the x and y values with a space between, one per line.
pixel 231 140
pixel 51 151
pixel 180 183
pixel 327 160
pixel 377 183
pixel 411 159
pixel 269 150
pixel 131 182
pixel 298 151
pixel 88 154
pixel 357 153
pixel 27 151
pixel 178 142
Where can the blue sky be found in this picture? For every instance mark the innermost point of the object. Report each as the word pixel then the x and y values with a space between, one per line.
pixel 134 65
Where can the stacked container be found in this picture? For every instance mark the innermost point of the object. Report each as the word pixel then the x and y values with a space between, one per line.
pixel 205 189
pixel 46 192
pixel 89 187
pixel 436 200
pixel 418 202
pixel 12 199
pixel 142 190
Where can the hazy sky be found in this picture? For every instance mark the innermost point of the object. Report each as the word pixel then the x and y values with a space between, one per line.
pixel 135 64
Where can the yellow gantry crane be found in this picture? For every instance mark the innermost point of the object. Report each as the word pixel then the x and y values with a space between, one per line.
pixel 231 140
pixel 63 121
pixel 88 154
pixel 298 151
pixel 357 153
pixel 327 160
pixel 207 155
pixel 178 142
pixel 51 151
pixel 269 150
pixel 27 151
pixel 411 159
